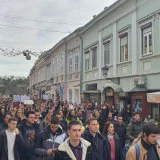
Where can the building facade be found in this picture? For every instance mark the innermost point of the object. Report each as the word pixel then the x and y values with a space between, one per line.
pixel 56 73
pixel 125 38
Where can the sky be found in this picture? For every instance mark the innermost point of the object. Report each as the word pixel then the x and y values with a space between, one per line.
pixel 37 25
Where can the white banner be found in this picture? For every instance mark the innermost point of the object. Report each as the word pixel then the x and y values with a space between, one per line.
pixel 153 97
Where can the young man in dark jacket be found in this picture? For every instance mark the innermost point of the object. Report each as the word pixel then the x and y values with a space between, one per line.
pixel 92 135
pixel 29 130
pixel 120 130
pixel 11 143
pixel 75 147
pixel 49 140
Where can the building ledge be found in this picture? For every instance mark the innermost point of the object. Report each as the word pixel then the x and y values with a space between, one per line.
pixel 149 56
pixel 91 70
pixel 126 62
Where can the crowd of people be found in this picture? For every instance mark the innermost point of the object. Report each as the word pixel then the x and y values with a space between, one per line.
pixel 50 130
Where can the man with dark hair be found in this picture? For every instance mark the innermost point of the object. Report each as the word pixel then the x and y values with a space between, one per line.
pixel 146 148
pixel 62 122
pixel 92 135
pixel 39 119
pixel 49 140
pixel 11 143
pixel 75 147
pixel 29 130
pixel 134 128
pixel 4 124
pixel 120 130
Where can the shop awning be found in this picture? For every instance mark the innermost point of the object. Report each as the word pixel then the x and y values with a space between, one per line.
pixel 139 89
pixel 114 86
pixel 153 97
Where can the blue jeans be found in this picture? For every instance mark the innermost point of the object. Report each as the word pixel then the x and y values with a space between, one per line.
pixel 123 153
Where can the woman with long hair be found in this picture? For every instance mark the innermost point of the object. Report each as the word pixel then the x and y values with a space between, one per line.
pixel 113 141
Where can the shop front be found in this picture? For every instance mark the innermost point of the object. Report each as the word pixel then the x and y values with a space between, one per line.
pixel 110 92
pixel 91 93
pixel 139 98
pixel 154 100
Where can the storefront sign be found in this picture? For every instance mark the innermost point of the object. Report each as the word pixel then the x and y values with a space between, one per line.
pixel 123 94
pixel 109 92
pixel 91 87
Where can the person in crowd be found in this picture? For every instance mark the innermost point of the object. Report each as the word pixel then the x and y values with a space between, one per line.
pixel 134 128
pixel 19 115
pixel 96 114
pixel 146 148
pixel 62 121
pixel 47 119
pixel 71 116
pixel 81 115
pixel 4 124
pixel 38 119
pixel 29 130
pixel 127 113
pixel 114 111
pixel 110 117
pixel 2 113
pixel 92 135
pixel 113 141
pixel 49 140
pixel 75 147
pixel 120 130
pixel 103 116
pixel 12 144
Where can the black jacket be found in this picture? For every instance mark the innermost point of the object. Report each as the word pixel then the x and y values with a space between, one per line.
pixel 65 153
pixel 29 133
pixel 117 148
pixel 19 147
pixel 46 140
pixel 3 126
pixel 99 145
pixel 121 132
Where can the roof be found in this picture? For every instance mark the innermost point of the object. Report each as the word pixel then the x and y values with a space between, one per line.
pixel 102 14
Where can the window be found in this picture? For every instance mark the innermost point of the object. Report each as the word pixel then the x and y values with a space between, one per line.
pixel 70 63
pixel 76 62
pixel 70 96
pixel 87 61
pixel 123 47
pixel 106 52
pixel 147 45
pixel 48 71
pixel 57 64
pixel 94 57
pixel 62 61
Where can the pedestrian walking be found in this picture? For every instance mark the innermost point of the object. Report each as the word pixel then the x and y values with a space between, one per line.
pixel 146 148
pixel 92 135
pixel 75 147
pixel 12 145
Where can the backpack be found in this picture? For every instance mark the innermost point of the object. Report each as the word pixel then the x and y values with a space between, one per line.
pixel 137 151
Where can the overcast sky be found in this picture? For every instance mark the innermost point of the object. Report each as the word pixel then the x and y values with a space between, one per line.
pixel 47 21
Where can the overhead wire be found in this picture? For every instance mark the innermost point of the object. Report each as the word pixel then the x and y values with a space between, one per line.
pixel 38 20
pixel 29 28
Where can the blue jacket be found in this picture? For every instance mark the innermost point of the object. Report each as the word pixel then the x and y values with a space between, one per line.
pixel 99 145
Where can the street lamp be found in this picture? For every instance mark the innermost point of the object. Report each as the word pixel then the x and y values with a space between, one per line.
pixel 105 70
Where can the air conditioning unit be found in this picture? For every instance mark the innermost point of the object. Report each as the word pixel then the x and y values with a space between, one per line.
pixel 140 81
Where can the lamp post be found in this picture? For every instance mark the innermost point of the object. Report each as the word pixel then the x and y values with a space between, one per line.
pixel 105 71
